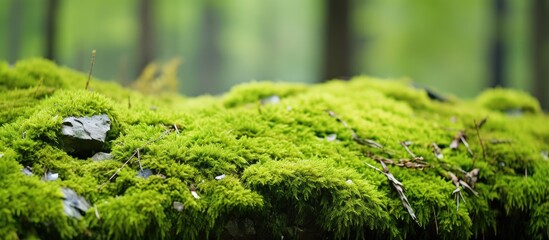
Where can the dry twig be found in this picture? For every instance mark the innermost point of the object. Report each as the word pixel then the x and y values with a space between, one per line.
pixel 437 151
pixel 405 144
pixel 91 68
pixel 400 189
pixel 459 184
pixel 460 136
pixel 472 177
pixel 408 163
pixel 397 185
pixel 457 191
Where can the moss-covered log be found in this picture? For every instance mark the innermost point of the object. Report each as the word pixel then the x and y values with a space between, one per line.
pixel 358 159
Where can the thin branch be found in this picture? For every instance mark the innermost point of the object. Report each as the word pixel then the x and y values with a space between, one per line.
pixel 471 177
pixel 409 163
pixel 437 151
pixel 459 184
pixel 482 122
pixel 176 129
pixel 375 168
pixel 135 153
pixel 465 185
pixel 91 68
pixel 457 191
pixel 405 145
pixel 462 137
pixel 399 187
pixel 139 160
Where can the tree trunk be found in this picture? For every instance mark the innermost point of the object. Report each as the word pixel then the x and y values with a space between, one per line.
pixel 209 54
pixel 337 46
pixel 51 28
pixel 497 50
pixel 146 34
pixel 14 36
pixel 540 48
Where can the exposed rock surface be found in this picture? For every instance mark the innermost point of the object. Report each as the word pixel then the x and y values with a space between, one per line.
pixel 84 136
pixel 74 205
pixel 100 156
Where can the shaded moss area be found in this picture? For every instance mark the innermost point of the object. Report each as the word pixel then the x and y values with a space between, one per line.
pixel 305 167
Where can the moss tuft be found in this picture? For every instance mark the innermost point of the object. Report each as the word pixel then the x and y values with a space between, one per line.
pixel 507 100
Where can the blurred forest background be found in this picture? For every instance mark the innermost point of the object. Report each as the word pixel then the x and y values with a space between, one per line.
pixel 460 47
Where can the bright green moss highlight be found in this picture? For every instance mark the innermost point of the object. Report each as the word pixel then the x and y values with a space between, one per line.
pixel 282 174
pixel 499 99
pixel 250 93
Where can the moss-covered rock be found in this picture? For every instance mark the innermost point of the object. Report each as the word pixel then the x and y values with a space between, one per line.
pixel 306 167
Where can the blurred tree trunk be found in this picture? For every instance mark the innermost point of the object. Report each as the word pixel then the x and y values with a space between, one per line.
pixel 540 54
pixel 209 53
pixel 146 33
pixel 14 36
pixel 497 54
pixel 52 7
pixel 337 46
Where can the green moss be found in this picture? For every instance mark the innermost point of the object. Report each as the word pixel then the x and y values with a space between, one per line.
pixel 20 102
pixel 30 207
pixel 284 173
pixel 507 100
pixel 255 91
pixel 319 197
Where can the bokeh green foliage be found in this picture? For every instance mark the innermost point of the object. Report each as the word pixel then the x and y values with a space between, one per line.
pixel 283 176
